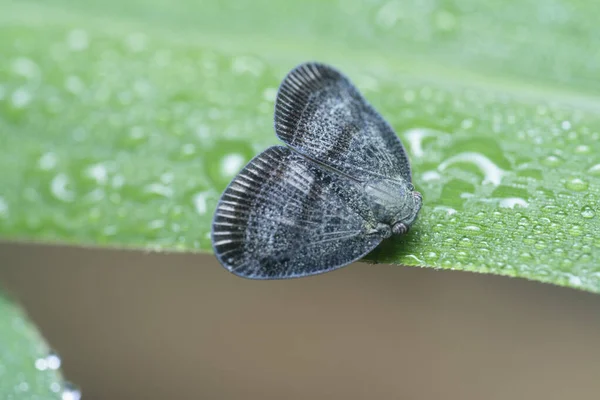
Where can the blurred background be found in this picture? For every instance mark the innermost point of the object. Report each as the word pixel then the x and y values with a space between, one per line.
pixel 134 325
pixel 123 114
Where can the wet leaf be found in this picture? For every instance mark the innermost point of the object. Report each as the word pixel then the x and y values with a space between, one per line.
pixel 122 121
pixel 27 369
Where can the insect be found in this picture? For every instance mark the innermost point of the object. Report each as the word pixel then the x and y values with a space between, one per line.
pixel 339 187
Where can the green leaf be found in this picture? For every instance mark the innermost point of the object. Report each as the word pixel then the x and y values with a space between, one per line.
pixel 27 369
pixel 122 121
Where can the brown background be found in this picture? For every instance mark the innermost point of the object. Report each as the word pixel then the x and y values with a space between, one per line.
pixel 133 325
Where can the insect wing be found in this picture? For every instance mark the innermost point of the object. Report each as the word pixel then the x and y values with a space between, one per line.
pixel 320 113
pixel 283 216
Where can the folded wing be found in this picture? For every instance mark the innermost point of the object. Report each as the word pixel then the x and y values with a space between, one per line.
pixel 321 114
pixel 284 217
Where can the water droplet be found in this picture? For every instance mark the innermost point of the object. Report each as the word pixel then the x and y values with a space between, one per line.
pixel 447 210
pixel 270 94
pixel 524 221
pixel 466 123
pixel 512 202
pixel 526 256
pixel 74 84
pixel 136 42
pixel 540 245
pixel 492 173
pixel 231 164
pixel 247 65
pixel 159 189
pixel 575 230
pixel 588 212
pixel 59 188
pixel 48 161
pixel 388 14
pixel 577 185
pixel 110 230
pixel 574 280
pixel 465 242
pixel 78 40
pixel 51 362
pixel 595 170
pixel 566 125
pixel 21 98
pixel 156 224
pixel 582 149
pixel 3 207
pixel 118 181
pixel 472 228
pixel 70 392
pixel 415 138
pixel 552 161
pixel 445 21
pixel 98 172
pixel 200 202
pixel 430 176
pixel 26 68
pixel 167 178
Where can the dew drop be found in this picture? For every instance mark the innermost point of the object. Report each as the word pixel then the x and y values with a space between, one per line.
pixel 78 40
pixel 566 125
pixel 59 188
pixel 159 189
pixel 118 181
pixel 577 185
pixel 3 207
pixel 465 242
pixel 582 149
pixel 247 65
pixel 388 14
pixel 552 161
pixel 430 176
pixel 526 256
pixel 492 173
pixel 74 84
pixel 25 67
pixel 270 94
pixel 21 98
pixel 512 202
pixel 445 21
pixel 156 224
pixel 48 161
pixel 574 280
pixel 231 164
pixel 199 201
pixel 98 172
pixel 110 230
pixel 588 212
pixel 23 387
pixel 70 392
pixel 595 170
pixel 575 230
pixel 524 221
pixel 50 362
pixel 415 138
pixel 136 42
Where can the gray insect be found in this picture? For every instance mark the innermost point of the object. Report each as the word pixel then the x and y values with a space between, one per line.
pixel 340 186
